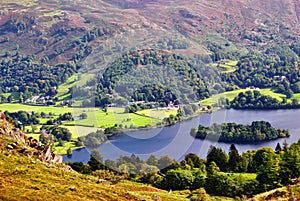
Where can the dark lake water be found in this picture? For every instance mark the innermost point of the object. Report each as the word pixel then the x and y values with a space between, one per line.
pixel 177 142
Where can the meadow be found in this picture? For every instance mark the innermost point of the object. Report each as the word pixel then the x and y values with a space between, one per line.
pixel 297 96
pixel 46 109
pixel 157 113
pixel 75 80
pixel 230 95
pixel 227 66
pixel 114 116
pixel 96 119
pixel 28 179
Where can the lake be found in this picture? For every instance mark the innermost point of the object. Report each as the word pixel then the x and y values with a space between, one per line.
pixel 176 141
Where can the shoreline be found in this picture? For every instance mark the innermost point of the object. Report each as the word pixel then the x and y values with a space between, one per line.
pixel 162 124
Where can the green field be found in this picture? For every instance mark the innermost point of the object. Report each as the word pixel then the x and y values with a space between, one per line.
pixel 230 95
pixel 244 177
pixel 158 114
pixel 74 80
pixel 78 131
pixel 55 110
pixel 114 116
pixel 63 149
pixel 35 136
pixel 96 119
pixel 297 96
pixel 227 66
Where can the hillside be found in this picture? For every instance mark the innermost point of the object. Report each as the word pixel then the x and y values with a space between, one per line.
pixel 44 43
pixel 236 20
pixel 54 37
pixel 117 61
pixel 29 175
pixel 22 178
pixel 281 194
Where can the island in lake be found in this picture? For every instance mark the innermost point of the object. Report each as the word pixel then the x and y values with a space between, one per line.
pixel 238 133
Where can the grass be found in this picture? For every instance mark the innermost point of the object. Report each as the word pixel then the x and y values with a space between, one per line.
pixel 280 194
pixel 244 177
pixel 230 95
pixel 270 92
pixel 44 120
pixel 55 110
pixel 297 96
pixel 74 80
pixel 227 66
pixel 6 95
pixel 15 96
pixel 34 135
pixel 63 89
pixel 158 114
pixel 63 149
pixel 78 131
pixel 96 119
pixel 115 116
pixel 23 178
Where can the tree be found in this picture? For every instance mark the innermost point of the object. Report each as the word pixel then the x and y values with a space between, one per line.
pixel 110 164
pixel 69 152
pixel 60 142
pixel 278 148
pixel 152 160
pixel 267 163
pixel 218 156
pixel 164 162
pixel 83 116
pixel 80 167
pixel 212 169
pixel 96 160
pixel 290 164
pixel 128 168
pixel 285 145
pixel 194 161
pixel 296 87
pixel 178 180
pixel 234 163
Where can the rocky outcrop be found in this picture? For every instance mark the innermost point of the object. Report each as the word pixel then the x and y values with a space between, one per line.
pixel 24 145
pixel 44 153
pixel 8 130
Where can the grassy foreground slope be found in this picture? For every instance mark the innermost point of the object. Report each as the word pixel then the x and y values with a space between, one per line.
pixel 280 194
pixel 24 178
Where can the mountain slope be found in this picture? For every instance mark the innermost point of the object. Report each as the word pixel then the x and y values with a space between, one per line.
pixel 27 176
pixel 287 193
pixel 45 42
pixel 50 24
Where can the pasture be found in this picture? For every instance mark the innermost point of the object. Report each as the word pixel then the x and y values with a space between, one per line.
pixel 230 95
